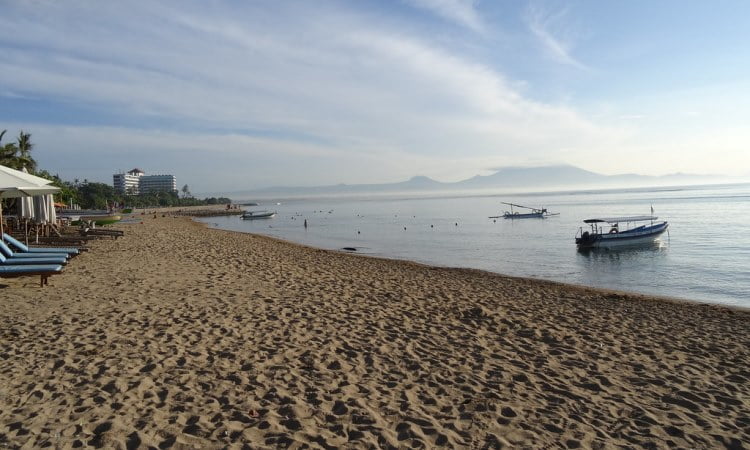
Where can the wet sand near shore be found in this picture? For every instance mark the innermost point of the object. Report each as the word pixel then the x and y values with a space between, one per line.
pixel 180 336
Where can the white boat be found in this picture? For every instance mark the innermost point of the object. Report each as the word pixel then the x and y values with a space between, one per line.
pixel 610 232
pixel 534 213
pixel 258 214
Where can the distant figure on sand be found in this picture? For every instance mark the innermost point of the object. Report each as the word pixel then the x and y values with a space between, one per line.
pixel 305 223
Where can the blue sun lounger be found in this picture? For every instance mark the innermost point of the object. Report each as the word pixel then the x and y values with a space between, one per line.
pixel 23 248
pixel 59 259
pixel 45 271
pixel 5 250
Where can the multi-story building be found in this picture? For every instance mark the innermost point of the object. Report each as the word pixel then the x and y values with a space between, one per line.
pixel 128 183
pixel 137 182
pixel 157 183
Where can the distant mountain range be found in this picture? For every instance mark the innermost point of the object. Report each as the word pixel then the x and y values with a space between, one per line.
pixel 509 178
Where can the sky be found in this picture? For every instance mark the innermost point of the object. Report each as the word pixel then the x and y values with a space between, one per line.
pixel 233 95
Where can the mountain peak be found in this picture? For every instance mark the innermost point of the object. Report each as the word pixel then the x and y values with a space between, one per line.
pixel 421 180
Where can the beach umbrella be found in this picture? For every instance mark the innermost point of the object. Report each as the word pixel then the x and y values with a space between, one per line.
pixel 26 208
pixel 13 177
pixel 22 191
pixel 25 211
pixel 50 200
pixel 41 214
pixel 16 184
pixel 44 211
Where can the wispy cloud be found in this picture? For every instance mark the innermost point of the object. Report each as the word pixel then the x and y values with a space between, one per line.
pixel 285 88
pixel 462 12
pixel 553 32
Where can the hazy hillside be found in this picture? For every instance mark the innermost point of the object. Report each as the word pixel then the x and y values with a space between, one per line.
pixel 527 178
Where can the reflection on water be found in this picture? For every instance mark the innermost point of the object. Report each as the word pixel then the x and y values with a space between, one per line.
pixel 633 252
pixel 638 269
pixel 608 263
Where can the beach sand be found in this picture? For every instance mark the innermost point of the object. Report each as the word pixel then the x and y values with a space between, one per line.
pixel 180 336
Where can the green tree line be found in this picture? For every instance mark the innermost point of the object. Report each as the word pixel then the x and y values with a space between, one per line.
pixel 92 195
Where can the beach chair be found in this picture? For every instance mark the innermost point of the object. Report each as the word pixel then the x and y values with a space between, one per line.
pixel 102 232
pixel 44 271
pixel 5 261
pixel 5 250
pixel 23 248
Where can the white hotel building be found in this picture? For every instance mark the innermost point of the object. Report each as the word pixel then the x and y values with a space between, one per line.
pixel 137 182
pixel 157 183
pixel 127 183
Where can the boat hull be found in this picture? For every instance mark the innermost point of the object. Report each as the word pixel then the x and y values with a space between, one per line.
pixel 102 218
pixel 637 237
pixel 524 216
pixel 259 215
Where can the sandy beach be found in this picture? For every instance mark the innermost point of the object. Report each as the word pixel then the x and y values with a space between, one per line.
pixel 180 336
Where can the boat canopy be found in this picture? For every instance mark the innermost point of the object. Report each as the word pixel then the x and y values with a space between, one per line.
pixel 622 219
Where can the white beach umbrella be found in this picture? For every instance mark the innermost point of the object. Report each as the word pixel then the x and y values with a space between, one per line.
pixel 43 211
pixel 49 199
pixel 16 184
pixel 25 205
pixel 13 177
pixel 41 214
pixel 22 191
pixel 26 212
pixel 26 208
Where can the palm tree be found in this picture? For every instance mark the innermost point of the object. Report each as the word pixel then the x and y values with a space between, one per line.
pixel 18 156
pixel 24 150
pixel 8 153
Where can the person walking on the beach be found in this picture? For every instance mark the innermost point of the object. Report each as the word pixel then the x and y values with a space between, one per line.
pixel 305 223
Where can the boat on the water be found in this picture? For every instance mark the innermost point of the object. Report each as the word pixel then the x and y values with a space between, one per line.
pixel 528 212
pixel 101 217
pixel 89 214
pixel 258 214
pixel 610 232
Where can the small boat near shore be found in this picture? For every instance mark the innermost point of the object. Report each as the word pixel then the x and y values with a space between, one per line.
pixel 633 233
pixel 101 217
pixel 81 214
pixel 250 215
pixel 533 213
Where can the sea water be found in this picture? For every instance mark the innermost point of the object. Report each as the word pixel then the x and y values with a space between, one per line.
pixel 704 257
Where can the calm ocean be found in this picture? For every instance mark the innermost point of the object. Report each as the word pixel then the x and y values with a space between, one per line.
pixel 705 257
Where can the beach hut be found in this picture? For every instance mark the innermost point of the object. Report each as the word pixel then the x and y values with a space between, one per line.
pixel 17 184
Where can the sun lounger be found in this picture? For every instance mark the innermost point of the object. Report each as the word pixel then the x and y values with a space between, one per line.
pixel 75 241
pixel 60 259
pixel 102 232
pixel 23 248
pixel 44 271
pixel 5 250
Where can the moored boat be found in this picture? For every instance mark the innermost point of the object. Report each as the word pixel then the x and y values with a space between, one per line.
pixel 258 214
pixel 607 233
pixel 533 213
pixel 101 217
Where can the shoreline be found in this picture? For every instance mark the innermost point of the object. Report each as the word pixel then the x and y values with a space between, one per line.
pixel 612 291
pixel 179 335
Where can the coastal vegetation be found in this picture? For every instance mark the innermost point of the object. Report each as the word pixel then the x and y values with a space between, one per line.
pixel 89 194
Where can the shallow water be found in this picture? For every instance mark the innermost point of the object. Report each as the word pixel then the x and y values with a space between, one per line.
pixel 705 256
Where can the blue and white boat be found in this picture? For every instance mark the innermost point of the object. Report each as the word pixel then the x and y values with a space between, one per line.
pixel 608 232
